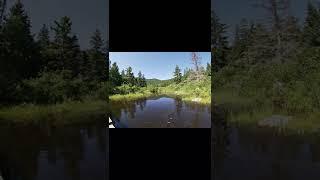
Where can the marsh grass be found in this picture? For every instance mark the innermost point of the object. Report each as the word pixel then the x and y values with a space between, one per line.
pixel 64 113
pixel 249 111
pixel 187 91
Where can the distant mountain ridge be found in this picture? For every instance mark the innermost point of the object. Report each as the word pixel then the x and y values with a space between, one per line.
pixel 155 81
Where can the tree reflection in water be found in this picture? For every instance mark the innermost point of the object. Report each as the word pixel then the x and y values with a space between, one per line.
pixel 35 151
pixel 220 140
pixel 160 111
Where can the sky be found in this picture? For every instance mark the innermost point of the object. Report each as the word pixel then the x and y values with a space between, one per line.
pixel 232 11
pixel 86 15
pixel 159 65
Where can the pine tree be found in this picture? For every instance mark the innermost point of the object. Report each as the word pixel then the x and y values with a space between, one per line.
pixel 3 5
pixel 130 76
pixel 219 43
pixel 22 53
pixel 311 31
pixel 97 57
pixel 44 45
pixel 144 81
pixel 66 49
pixel 208 69
pixel 139 79
pixel 19 57
pixel 43 37
pixel 177 75
pixel 114 75
pixel 123 75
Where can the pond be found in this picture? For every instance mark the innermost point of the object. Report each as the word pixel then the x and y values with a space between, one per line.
pixel 160 112
pixel 45 151
pixel 252 152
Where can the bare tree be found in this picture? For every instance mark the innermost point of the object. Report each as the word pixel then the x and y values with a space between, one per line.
pixel 196 61
pixel 277 17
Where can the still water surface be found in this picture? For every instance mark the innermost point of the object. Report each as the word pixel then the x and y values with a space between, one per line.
pixel 160 112
pixel 242 152
pixel 48 152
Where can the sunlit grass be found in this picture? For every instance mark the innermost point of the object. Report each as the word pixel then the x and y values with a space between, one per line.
pixel 129 97
pixel 67 112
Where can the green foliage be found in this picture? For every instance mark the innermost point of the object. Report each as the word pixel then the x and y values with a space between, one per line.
pixel 51 87
pixel 126 89
pixel 114 75
pixel 154 89
pixel 45 71
pixel 177 75
pixel 219 43
pixel 311 33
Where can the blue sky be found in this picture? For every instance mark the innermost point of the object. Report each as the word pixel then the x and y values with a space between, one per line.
pixel 158 65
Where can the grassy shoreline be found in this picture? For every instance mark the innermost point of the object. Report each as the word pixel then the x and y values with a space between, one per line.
pixel 137 96
pixel 249 111
pixel 64 113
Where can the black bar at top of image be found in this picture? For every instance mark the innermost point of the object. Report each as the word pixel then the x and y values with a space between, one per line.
pixel 159 26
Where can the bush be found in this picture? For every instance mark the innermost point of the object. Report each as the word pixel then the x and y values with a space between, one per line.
pixel 125 89
pixel 154 89
pixel 52 87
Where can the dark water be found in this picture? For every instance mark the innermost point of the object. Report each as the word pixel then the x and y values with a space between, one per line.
pixel 47 152
pixel 263 153
pixel 161 112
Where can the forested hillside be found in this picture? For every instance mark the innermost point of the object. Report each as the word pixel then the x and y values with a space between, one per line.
pixel 48 67
pixel 269 63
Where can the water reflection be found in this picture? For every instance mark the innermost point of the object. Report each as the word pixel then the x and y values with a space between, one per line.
pixel 49 152
pixel 160 112
pixel 250 152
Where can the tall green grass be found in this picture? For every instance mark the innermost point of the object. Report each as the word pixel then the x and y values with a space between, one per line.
pixel 64 113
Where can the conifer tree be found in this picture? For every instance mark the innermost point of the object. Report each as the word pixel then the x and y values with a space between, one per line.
pixel 65 47
pixel 177 75
pixel 114 75
pixel 219 43
pixel 97 57
pixel 130 76
pixel 311 31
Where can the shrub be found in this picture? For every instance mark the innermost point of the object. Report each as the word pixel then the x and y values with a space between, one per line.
pixel 52 87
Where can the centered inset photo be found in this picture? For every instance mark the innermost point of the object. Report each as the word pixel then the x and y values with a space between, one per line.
pixel 160 89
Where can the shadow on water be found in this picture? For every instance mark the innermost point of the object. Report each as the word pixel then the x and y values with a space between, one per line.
pixel 46 151
pixel 160 112
pixel 252 152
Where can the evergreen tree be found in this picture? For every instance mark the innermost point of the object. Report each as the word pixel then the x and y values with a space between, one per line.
pixel 43 37
pixel 144 81
pixel 139 79
pixel 219 43
pixel 3 5
pixel 66 50
pixel 311 31
pixel 19 57
pixel 208 69
pixel 177 75
pixel 130 76
pixel 97 57
pixel 123 76
pixel 44 45
pixel 114 75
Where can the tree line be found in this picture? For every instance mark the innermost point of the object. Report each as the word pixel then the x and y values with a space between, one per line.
pixel 44 69
pixel 196 73
pixel 126 77
pixel 274 57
